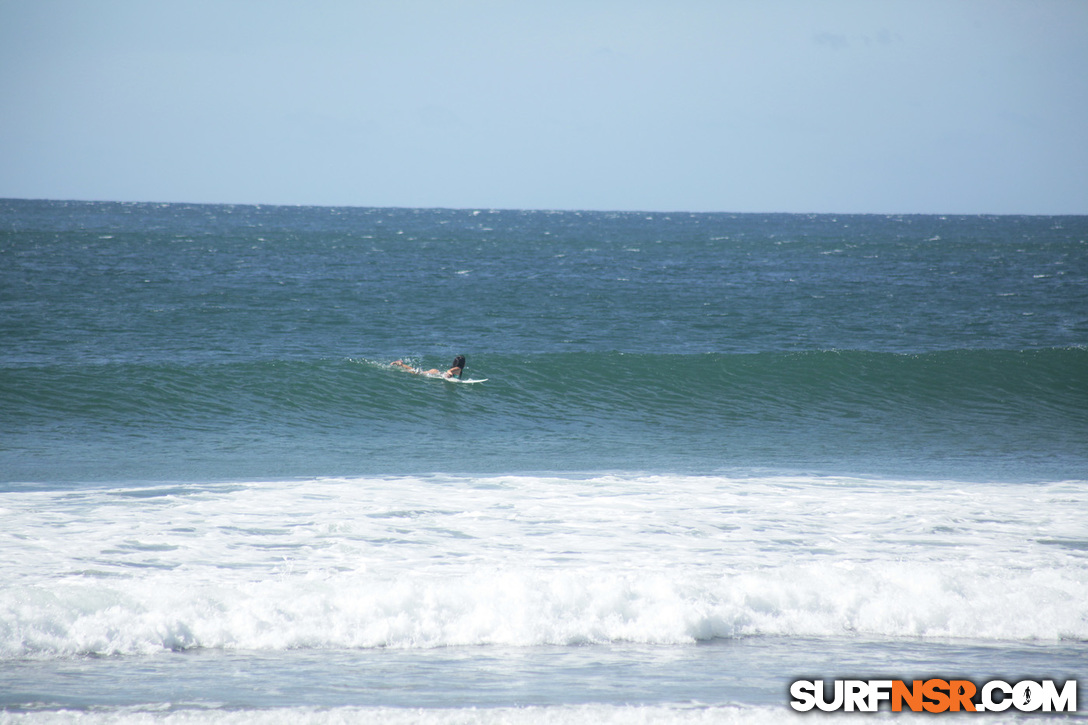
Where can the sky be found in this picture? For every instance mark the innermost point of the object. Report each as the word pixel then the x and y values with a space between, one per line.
pixel 834 106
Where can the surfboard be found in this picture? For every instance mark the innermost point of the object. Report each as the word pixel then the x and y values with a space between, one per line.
pixel 463 381
pixel 439 376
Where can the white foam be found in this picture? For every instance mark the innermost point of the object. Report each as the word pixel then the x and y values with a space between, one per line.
pixel 430 562
pixel 556 715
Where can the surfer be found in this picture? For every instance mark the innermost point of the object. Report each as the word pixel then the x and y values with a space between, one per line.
pixel 455 370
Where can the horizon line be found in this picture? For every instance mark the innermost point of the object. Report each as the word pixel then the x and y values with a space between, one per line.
pixel 537 209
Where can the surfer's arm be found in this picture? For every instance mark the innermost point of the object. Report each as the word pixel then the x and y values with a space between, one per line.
pixel 399 364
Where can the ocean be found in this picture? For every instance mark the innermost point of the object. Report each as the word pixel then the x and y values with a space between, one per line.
pixel 713 454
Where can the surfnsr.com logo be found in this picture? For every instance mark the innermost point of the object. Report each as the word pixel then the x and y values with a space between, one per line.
pixel 935 695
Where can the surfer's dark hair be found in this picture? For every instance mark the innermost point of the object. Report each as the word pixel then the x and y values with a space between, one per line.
pixel 459 362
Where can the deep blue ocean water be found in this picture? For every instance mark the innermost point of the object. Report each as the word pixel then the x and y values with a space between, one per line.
pixel 714 452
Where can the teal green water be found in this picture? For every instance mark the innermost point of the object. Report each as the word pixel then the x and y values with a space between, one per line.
pixel 150 342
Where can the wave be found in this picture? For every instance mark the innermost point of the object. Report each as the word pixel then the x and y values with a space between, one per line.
pixel 997 415
pixel 419 563
pixel 1042 384
pixel 86 615
pixel 829 382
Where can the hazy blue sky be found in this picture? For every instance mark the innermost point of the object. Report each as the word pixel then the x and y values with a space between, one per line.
pixel 971 106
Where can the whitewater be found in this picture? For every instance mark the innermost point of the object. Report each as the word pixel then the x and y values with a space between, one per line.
pixel 524 561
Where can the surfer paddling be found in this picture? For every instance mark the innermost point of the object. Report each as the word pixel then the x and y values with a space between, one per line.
pixel 455 370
